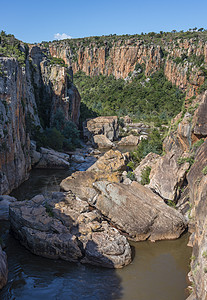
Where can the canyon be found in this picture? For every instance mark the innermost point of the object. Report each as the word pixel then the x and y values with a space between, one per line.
pixel 32 93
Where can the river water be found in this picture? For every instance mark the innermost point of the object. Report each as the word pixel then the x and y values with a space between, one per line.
pixel 157 272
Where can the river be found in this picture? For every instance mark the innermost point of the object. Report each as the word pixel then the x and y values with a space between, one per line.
pixel 157 272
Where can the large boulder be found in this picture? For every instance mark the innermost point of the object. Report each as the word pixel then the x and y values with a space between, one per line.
pixel 101 141
pixel 65 227
pixel 129 140
pixel 138 212
pixel 149 161
pixel 50 159
pixel 111 161
pixel 107 126
pixel 3 268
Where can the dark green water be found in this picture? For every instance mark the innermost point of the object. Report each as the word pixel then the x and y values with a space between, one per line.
pixel 158 271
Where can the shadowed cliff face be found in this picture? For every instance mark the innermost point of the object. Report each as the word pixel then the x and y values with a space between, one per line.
pixel 181 58
pixel 30 95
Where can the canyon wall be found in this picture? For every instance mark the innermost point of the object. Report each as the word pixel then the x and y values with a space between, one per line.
pixel 182 59
pixel 30 95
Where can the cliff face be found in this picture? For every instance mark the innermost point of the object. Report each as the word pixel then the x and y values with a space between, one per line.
pixel 30 95
pixel 181 59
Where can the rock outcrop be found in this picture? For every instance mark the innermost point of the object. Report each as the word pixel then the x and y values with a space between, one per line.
pixel 102 141
pixel 149 161
pixel 136 210
pixel 107 126
pixel 197 180
pixel 167 176
pixel 65 227
pixel 129 140
pixel 3 268
pixel 31 93
pixel 49 159
pixel 183 58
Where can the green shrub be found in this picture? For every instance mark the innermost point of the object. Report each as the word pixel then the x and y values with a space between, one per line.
pixel 54 139
pixel 49 210
pixel 204 171
pixel 152 144
pixel 145 176
pixel 131 176
pixel 197 144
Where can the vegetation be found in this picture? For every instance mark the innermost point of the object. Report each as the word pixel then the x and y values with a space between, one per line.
pixel 49 210
pixel 204 171
pixel 182 160
pixel 153 99
pixel 145 176
pixel 152 144
pixel 63 135
pixel 11 47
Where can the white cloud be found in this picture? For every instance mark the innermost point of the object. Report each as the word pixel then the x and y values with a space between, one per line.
pixel 63 36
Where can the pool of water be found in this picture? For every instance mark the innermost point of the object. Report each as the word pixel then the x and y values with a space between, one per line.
pixel 157 272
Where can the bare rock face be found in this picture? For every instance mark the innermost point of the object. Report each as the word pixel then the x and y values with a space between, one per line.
pixel 197 180
pixel 5 201
pixel 3 268
pixel 108 167
pixel 111 161
pixel 138 211
pixel 107 126
pixel 167 176
pixel 14 140
pixel 102 141
pixel 149 161
pixel 200 118
pixel 129 140
pixel 65 227
pixel 29 93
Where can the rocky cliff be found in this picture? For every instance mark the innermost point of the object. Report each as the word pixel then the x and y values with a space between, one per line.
pixel 183 58
pixel 32 88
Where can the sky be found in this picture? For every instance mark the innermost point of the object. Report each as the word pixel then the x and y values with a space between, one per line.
pixel 44 20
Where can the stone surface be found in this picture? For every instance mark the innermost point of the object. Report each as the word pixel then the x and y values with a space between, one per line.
pixel 65 227
pixel 102 141
pixel 77 158
pixel 5 201
pixel 138 212
pixel 3 268
pixel 51 159
pixel 28 94
pixel 167 176
pixel 149 161
pixel 107 126
pixel 200 118
pixel 198 214
pixel 129 140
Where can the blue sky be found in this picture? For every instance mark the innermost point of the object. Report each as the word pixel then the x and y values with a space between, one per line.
pixel 40 20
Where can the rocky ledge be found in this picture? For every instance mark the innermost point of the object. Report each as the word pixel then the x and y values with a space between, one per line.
pixel 66 227
pixel 136 211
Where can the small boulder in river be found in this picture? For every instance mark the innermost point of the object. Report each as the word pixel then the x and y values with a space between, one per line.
pixel 65 227
pixel 5 201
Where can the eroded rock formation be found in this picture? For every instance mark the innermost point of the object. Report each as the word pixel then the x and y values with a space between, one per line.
pixel 30 95
pixel 65 227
